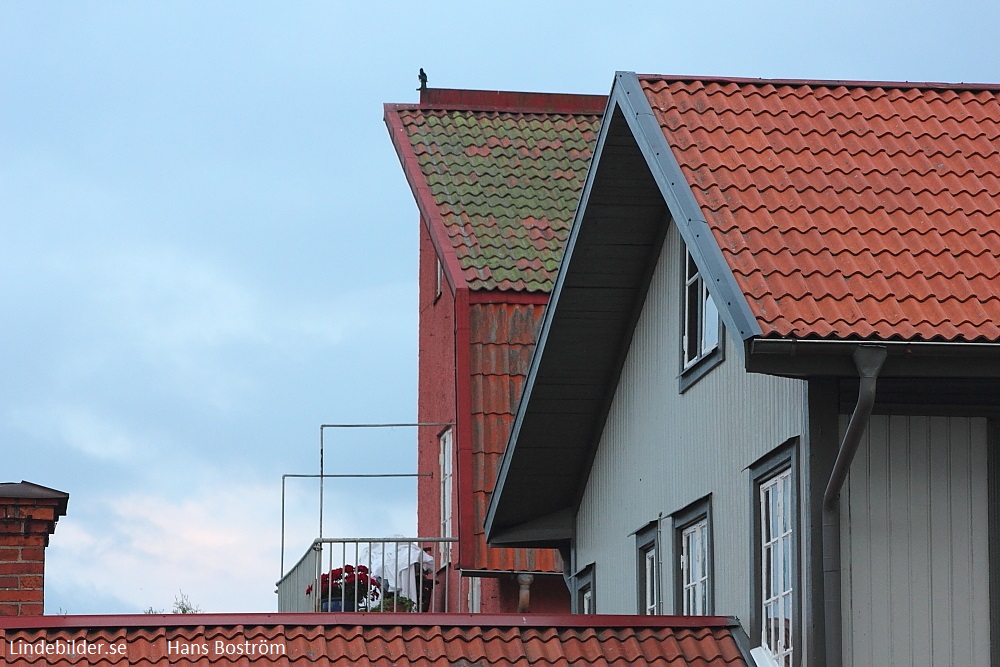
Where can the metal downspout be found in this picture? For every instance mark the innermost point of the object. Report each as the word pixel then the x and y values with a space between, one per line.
pixel 868 359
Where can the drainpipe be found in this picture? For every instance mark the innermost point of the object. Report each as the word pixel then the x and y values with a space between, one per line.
pixel 524 582
pixel 868 359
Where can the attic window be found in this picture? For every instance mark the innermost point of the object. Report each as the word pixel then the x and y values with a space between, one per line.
pixel 701 341
pixel 701 317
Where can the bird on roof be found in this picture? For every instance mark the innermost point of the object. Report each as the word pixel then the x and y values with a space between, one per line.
pixel 423 80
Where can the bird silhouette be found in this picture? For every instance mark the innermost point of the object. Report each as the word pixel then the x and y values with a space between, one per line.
pixel 423 80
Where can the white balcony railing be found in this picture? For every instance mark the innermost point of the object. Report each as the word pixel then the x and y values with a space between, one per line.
pixel 397 574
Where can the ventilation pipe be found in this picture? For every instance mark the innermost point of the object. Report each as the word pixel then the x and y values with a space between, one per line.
pixel 868 359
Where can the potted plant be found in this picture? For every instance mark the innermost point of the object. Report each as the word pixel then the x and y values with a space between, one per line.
pixel 345 588
pixel 394 603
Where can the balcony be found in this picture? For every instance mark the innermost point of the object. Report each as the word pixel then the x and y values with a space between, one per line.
pixel 397 574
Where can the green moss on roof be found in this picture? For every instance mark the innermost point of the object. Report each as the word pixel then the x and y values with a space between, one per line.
pixel 506 186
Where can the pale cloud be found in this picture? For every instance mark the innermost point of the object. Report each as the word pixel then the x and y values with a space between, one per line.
pixel 213 545
pixel 219 544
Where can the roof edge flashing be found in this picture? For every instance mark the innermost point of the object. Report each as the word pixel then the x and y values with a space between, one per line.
pixel 506 101
pixel 684 208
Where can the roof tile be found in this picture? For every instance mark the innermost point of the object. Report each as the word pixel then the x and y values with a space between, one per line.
pixel 388 639
pixel 848 211
pixel 505 185
pixel 503 338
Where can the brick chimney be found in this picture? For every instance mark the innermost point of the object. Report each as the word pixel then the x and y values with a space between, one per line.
pixel 28 515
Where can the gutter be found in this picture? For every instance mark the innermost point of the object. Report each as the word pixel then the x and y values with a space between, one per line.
pixel 868 359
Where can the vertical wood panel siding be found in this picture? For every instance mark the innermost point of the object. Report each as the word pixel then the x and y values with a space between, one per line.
pixel 915 544
pixel 662 450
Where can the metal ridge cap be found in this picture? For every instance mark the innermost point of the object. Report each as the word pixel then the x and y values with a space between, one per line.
pixel 848 83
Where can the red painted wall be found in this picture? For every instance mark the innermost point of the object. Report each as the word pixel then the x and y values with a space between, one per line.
pixel 549 595
pixel 437 396
pixel 436 389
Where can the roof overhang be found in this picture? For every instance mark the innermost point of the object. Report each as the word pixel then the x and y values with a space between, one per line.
pixel 633 192
pixel 635 188
pixel 796 358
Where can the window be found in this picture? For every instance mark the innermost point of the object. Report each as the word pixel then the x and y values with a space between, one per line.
pixel 447 497
pixel 438 279
pixel 585 602
pixel 776 556
pixel 647 569
pixel 694 568
pixel 701 317
pixel 701 340
pixel 693 545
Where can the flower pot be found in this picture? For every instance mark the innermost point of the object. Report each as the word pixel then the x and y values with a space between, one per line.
pixel 336 604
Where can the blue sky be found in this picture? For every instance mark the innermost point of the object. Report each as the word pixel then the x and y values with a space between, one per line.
pixel 209 249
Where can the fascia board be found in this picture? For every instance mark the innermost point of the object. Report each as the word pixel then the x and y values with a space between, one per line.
pixel 683 207
pixel 549 315
pixel 428 208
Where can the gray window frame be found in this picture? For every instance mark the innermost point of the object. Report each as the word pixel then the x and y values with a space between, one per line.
pixel 704 361
pixel 646 540
pixel 782 458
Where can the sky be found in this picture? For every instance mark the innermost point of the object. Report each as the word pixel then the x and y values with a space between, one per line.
pixel 208 248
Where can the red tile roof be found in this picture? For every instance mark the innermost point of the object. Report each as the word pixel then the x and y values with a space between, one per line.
pixel 497 176
pixel 377 639
pixel 847 210
pixel 502 338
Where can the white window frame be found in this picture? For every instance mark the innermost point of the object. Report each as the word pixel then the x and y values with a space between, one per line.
pixel 702 330
pixel 445 460
pixel 586 602
pixel 695 568
pixel 776 540
pixel 692 531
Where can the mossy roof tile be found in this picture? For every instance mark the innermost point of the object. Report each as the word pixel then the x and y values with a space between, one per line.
pixel 505 185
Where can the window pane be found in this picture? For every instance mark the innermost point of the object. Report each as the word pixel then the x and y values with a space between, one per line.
pixel 692 332
pixel 694 573
pixel 777 554
pixel 710 337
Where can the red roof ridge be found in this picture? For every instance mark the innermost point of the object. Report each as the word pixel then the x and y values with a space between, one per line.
pixel 457 99
pixel 354 619
pixel 831 83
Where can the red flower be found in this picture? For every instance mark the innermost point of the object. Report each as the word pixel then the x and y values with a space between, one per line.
pixel 347 580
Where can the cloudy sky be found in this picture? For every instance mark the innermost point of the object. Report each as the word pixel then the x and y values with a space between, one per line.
pixel 208 247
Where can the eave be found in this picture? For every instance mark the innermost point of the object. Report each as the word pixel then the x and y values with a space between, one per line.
pixel 798 358
pixel 633 191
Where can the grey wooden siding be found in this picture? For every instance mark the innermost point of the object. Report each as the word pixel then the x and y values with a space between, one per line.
pixel 914 544
pixel 662 450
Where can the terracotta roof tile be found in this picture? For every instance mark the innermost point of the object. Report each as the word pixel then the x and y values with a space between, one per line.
pixel 428 640
pixel 848 210
pixel 502 337
pixel 504 185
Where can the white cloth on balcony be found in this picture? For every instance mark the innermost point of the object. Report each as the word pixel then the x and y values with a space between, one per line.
pixel 392 563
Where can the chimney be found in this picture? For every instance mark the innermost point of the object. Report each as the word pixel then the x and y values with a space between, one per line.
pixel 28 515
